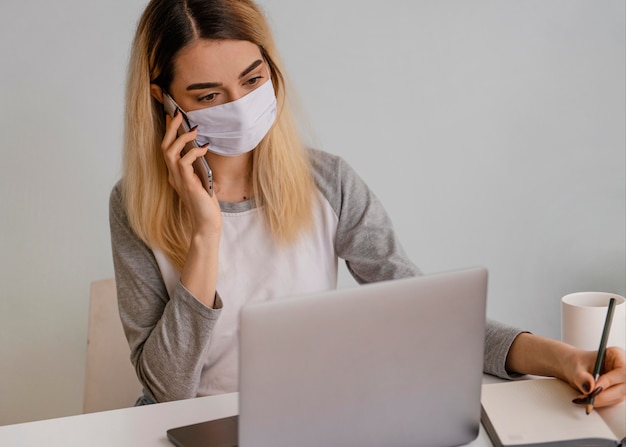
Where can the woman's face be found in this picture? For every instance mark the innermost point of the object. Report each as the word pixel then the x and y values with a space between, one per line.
pixel 208 73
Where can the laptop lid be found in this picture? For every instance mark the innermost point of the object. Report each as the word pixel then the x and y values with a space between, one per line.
pixel 395 363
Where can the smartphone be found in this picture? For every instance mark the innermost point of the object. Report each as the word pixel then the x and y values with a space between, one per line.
pixel 200 166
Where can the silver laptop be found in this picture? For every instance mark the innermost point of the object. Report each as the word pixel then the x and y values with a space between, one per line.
pixel 395 363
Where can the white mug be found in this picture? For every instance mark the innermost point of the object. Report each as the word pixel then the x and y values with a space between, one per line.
pixel 582 320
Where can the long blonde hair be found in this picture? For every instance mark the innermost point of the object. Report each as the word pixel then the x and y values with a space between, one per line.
pixel 281 175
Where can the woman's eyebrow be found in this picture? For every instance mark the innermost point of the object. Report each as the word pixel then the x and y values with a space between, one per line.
pixel 205 85
pixel 252 66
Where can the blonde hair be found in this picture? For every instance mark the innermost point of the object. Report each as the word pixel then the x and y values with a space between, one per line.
pixel 281 175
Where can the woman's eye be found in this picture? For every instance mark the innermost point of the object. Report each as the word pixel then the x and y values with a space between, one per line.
pixel 208 98
pixel 254 81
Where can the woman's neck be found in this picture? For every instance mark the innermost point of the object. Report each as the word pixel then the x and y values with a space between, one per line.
pixel 232 176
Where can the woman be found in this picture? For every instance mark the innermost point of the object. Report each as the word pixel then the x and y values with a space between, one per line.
pixel 186 261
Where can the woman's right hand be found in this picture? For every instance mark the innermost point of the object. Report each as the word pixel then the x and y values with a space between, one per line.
pixel 199 274
pixel 204 210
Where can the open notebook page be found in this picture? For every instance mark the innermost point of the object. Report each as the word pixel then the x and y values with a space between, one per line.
pixel 615 418
pixel 536 411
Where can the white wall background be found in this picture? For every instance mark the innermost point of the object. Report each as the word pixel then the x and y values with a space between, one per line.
pixel 493 131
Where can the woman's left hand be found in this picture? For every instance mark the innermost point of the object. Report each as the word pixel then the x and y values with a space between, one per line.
pixel 610 388
pixel 532 354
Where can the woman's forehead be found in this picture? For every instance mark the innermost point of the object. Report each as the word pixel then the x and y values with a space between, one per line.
pixel 214 60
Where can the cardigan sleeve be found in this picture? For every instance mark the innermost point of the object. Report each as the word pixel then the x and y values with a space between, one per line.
pixel 367 242
pixel 167 335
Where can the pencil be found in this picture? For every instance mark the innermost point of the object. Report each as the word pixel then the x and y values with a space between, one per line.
pixel 601 350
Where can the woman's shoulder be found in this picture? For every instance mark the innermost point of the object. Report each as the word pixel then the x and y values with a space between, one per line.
pixel 117 205
pixel 329 168
pixel 335 178
pixel 325 169
pixel 115 197
pixel 323 162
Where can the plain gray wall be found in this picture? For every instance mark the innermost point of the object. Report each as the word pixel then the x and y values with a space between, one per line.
pixel 493 132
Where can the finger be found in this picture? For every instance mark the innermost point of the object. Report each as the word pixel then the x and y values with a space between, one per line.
pixel 185 164
pixel 174 151
pixel 611 396
pixel 614 371
pixel 192 155
pixel 584 399
pixel 171 129
pixel 179 166
pixel 611 379
pixel 584 382
pixel 604 398
pixel 614 358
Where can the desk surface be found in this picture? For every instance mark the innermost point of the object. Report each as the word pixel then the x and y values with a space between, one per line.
pixel 131 427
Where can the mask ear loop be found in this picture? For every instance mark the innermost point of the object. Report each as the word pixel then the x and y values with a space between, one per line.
pixel 280 80
pixel 271 67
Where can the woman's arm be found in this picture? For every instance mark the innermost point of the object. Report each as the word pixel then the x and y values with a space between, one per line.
pixel 532 354
pixel 167 334
pixel 199 273
pixel 365 238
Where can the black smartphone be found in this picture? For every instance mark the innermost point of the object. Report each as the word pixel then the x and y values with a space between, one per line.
pixel 200 166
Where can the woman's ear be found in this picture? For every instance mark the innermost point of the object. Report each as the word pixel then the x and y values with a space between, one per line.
pixel 156 92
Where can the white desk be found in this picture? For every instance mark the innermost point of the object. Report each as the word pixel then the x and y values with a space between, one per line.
pixel 138 426
pixel 131 427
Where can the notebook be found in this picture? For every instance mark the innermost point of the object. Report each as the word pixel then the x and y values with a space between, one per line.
pixel 394 363
pixel 540 412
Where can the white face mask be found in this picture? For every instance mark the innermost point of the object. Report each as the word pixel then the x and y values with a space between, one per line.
pixel 239 126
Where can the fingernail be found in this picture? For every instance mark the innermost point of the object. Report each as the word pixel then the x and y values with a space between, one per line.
pixel 193 128
pixel 176 112
pixel 586 387
pixel 205 145
pixel 580 400
pixel 596 392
